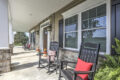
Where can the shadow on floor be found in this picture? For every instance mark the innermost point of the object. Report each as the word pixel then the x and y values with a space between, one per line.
pixel 14 64
pixel 16 67
pixel 23 53
pixel 24 66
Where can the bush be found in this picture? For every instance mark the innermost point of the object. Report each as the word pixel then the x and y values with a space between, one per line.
pixel 108 73
pixel 110 68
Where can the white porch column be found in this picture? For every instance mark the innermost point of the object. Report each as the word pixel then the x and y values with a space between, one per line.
pixel 41 39
pixel 5 56
pixel 11 38
pixel 48 47
pixel 4 29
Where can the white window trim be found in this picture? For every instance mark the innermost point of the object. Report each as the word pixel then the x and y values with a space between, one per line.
pixel 74 49
pixel 97 28
pixel 41 39
pixel 108 24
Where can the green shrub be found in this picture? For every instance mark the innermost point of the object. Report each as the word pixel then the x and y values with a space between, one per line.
pixel 117 47
pixel 108 74
pixel 110 68
pixel 111 61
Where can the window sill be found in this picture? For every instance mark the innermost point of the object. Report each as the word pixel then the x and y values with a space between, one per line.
pixel 63 49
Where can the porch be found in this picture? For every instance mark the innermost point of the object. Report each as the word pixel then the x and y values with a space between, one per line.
pixel 24 67
pixel 68 22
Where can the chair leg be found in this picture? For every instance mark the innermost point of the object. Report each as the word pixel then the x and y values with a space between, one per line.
pixel 48 67
pixel 59 77
pixel 59 73
pixel 57 67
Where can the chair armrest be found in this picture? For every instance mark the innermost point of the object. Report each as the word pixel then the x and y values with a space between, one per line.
pixel 64 61
pixel 83 72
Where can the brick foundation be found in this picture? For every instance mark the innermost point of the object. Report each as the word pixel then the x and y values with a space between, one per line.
pixel 5 60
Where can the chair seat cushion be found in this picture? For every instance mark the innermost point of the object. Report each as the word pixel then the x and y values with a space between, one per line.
pixel 83 66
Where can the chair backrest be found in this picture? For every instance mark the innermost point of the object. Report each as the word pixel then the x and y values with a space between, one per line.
pixel 54 46
pixel 89 52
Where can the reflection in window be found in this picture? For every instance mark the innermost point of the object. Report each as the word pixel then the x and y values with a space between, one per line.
pixel 71 40
pixel 71 28
pixel 95 18
pixel 96 36
pixel 94 26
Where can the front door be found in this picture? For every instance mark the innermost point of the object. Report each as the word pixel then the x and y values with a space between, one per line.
pixel 115 21
pixel 45 36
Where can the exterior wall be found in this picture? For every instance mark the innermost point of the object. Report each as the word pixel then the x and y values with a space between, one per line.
pixel 71 9
pixel 36 30
pixel 89 4
pixel 54 33
pixel 37 37
pixel 32 33
pixel 77 10
pixel 58 15
pixel 68 55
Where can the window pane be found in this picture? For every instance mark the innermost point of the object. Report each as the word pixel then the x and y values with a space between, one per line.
pixel 85 24
pixel 96 36
pixel 85 15
pixel 71 24
pixel 101 10
pixel 72 27
pixel 97 17
pixel 101 21
pixel 92 23
pixel 71 40
pixel 92 13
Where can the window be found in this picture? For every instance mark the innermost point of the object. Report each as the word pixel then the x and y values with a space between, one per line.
pixel 71 32
pixel 94 26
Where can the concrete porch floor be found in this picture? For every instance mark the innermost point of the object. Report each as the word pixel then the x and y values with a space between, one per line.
pixel 24 67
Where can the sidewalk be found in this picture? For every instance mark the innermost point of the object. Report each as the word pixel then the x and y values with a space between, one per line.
pixel 24 67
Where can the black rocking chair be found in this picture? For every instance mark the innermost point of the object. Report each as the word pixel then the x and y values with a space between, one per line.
pixel 54 46
pixel 89 53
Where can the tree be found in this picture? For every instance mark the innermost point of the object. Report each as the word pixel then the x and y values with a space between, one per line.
pixel 20 38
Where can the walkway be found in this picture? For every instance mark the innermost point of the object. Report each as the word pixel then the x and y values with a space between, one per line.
pixel 24 67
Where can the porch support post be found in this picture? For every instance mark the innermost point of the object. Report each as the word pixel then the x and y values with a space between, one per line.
pixel 11 38
pixel 48 43
pixel 5 57
pixel 4 30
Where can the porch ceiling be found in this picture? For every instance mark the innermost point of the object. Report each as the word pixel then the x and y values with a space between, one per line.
pixel 27 13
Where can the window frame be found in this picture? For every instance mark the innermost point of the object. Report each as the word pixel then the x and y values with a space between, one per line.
pixel 79 9
pixel 96 28
pixel 77 31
